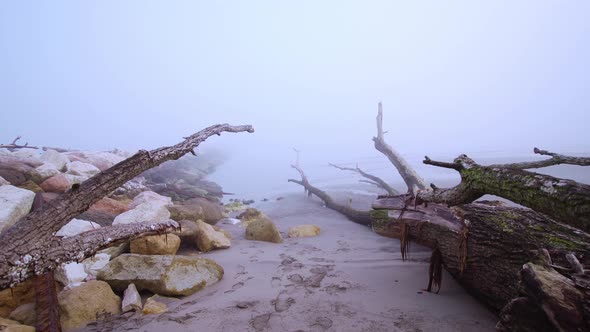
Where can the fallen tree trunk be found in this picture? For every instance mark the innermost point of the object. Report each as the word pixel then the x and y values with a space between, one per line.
pixel 483 247
pixel 29 246
pixel 564 200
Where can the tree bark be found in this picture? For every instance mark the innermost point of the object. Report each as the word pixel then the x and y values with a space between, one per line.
pixel 29 246
pixel 483 247
pixel 564 200
pixel 411 178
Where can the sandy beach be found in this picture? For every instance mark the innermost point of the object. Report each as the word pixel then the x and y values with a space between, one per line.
pixel 346 279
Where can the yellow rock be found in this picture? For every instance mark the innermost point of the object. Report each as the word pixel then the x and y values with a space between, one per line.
pixel 165 244
pixel 153 306
pixel 207 238
pixel 304 231
pixel 7 325
pixel 10 299
pixel 87 303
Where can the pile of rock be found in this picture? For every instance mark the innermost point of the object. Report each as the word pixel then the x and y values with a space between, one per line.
pixel 148 264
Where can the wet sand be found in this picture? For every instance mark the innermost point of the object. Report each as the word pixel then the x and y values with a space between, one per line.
pixel 346 279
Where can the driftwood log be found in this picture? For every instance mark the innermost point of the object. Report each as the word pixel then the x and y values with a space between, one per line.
pixel 29 246
pixel 492 249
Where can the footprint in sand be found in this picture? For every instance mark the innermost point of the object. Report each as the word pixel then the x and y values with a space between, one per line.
pixel 321 324
pixel 282 302
pixel 259 323
pixel 275 282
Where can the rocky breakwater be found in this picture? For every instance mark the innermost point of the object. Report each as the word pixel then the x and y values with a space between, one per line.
pixel 114 277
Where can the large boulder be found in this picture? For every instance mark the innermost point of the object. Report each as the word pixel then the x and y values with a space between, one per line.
pixel 82 169
pixel 207 238
pixel 7 325
pixel 75 227
pixel 197 209
pixel 55 158
pixel 3 181
pixel 15 203
pixel 143 213
pixel 163 244
pixel 87 303
pixel 160 274
pixel 304 231
pixel 263 230
pixel 44 172
pixel 151 198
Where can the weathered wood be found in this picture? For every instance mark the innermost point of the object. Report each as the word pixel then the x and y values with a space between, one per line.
pixel 357 216
pixel 486 246
pixel 375 180
pixel 12 146
pixel 29 247
pixel 411 178
pixel 564 200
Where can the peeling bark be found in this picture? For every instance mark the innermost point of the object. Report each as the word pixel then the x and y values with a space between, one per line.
pixel 29 246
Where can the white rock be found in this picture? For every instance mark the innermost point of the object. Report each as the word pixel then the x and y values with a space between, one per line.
pixel 76 178
pixel 131 299
pixel 27 153
pixel 95 263
pixel 3 181
pixel 15 203
pixel 44 171
pixel 82 169
pixel 75 227
pixel 55 158
pixel 103 160
pixel 143 213
pixel 70 274
pixel 151 198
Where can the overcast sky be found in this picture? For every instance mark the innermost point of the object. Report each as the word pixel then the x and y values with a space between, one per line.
pixel 454 76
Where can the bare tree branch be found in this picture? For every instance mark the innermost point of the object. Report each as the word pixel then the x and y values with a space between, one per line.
pixel 375 180
pixel 13 145
pixel 411 178
pixel 359 217
pixel 24 247
pixel 556 159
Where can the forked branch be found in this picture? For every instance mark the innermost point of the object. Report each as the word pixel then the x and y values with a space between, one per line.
pixel 375 180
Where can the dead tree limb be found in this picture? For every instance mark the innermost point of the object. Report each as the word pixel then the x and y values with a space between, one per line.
pixel 359 217
pixel 411 178
pixel 13 145
pixel 556 159
pixel 564 200
pixel 375 180
pixel 29 247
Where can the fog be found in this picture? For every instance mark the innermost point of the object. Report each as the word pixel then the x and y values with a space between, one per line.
pixel 489 80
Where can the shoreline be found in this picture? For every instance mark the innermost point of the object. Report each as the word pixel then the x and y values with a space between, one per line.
pixel 346 279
